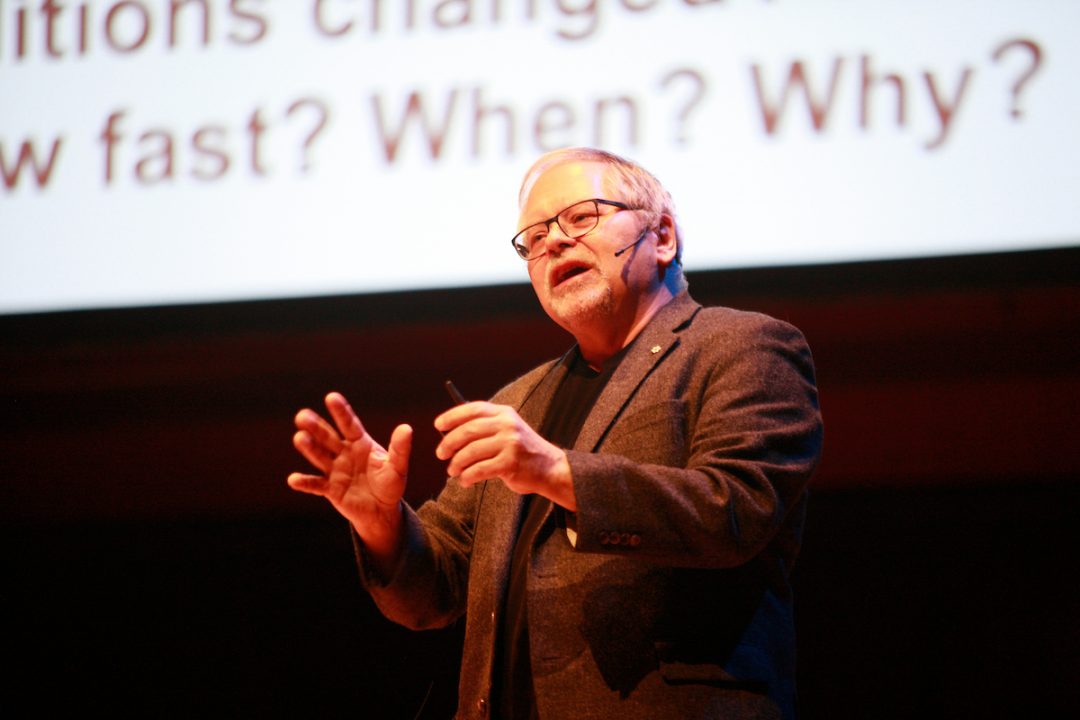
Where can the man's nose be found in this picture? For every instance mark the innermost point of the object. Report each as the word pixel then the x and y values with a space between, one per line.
pixel 556 238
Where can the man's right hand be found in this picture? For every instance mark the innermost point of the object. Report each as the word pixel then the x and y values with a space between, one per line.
pixel 363 481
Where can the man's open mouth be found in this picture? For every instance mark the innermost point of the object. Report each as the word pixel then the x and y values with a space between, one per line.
pixel 567 271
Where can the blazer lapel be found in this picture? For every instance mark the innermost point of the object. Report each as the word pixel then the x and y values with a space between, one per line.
pixel 534 406
pixel 654 343
pixel 648 350
pixel 504 507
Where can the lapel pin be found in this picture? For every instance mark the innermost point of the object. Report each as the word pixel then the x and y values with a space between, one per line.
pixel 654 349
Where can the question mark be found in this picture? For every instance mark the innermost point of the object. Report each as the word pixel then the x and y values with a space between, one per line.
pixel 321 111
pixel 696 93
pixel 1035 53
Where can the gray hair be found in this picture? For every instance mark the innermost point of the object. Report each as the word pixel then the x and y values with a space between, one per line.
pixel 640 187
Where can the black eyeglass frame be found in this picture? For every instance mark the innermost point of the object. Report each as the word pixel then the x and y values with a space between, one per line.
pixel 520 249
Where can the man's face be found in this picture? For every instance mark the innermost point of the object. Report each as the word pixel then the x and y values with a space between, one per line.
pixel 581 282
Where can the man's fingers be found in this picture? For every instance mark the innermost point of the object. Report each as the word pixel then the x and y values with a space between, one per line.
pixel 485 470
pixel 312 484
pixel 400 449
pixel 346 420
pixel 459 414
pixel 462 435
pixel 315 453
pixel 320 431
pixel 473 453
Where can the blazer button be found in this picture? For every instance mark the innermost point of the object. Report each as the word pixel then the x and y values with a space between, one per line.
pixel 635 540
pixel 624 539
pixel 613 538
pixel 604 539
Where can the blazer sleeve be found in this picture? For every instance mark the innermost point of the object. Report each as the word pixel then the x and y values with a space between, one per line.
pixel 429 587
pixel 709 475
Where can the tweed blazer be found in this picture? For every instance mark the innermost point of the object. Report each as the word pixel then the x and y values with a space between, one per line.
pixel 690 475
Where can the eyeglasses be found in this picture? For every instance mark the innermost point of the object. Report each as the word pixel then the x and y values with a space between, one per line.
pixel 575 221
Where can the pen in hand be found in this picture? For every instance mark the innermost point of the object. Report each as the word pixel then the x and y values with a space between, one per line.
pixel 458 398
pixel 455 394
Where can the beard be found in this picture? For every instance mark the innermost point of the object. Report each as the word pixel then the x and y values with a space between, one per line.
pixel 595 301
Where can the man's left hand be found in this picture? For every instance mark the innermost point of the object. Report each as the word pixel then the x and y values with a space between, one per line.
pixel 484 441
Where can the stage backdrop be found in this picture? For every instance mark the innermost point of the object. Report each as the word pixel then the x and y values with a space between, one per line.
pixel 177 151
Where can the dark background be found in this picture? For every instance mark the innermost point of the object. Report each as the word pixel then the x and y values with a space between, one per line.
pixel 154 561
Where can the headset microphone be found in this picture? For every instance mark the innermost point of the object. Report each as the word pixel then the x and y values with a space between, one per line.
pixel 640 238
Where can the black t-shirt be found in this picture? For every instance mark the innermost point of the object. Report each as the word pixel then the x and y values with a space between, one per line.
pixel 570 406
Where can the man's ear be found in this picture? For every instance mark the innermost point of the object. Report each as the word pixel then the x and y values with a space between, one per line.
pixel 667 245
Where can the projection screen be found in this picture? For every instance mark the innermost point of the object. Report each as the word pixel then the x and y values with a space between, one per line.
pixel 185 151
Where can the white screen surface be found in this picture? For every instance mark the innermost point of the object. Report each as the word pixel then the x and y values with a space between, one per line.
pixel 158 151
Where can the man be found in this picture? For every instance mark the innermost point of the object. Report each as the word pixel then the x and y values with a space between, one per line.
pixel 620 523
